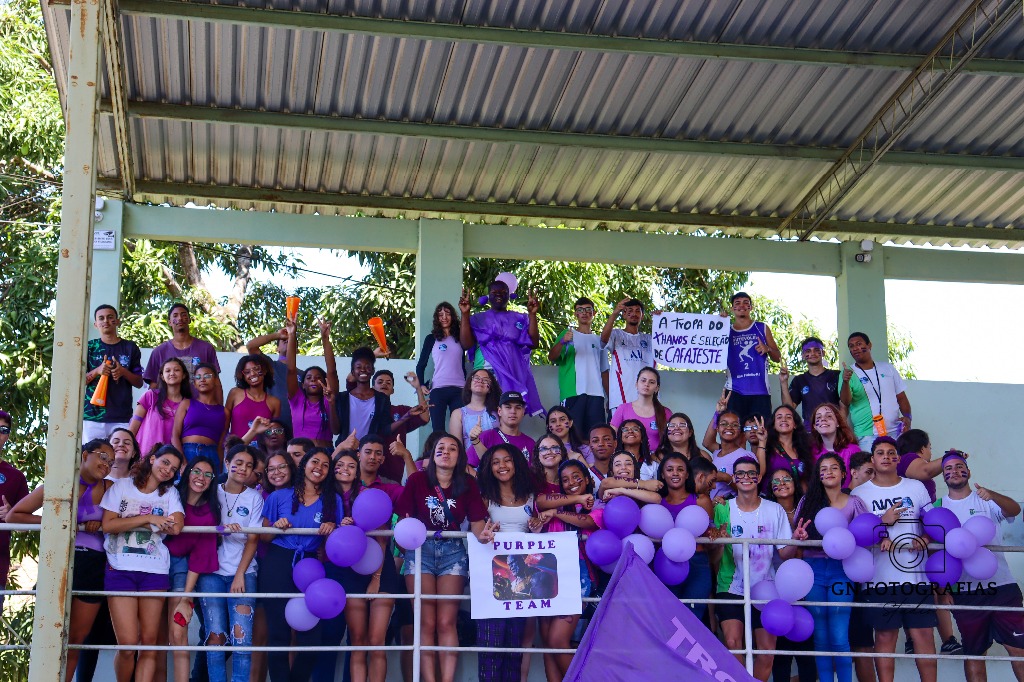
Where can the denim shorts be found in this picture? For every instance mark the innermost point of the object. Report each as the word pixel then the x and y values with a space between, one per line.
pixel 178 573
pixel 447 556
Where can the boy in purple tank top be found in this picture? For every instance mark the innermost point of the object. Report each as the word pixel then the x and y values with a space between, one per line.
pixel 750 345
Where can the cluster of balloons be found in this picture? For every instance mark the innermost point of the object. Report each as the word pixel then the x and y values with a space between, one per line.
pixel 781 616
pixel 963 546
pixel 622 517
pixel 349 547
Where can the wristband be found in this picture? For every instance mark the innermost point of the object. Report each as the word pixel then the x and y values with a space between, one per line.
pixel 908 416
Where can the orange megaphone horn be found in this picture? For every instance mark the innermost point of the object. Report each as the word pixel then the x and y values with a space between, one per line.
pixel 376 326
pixel 291 307
pixel 99 396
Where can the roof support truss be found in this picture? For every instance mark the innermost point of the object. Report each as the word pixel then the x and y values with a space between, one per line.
pixel 978 24
pixel 111 29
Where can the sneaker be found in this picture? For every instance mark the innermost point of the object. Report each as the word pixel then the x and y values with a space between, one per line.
pixel 908 648
pixel 951 647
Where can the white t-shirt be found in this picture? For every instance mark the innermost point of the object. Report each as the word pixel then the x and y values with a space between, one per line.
pixel 512 519
pixel 973 505
pixel 725 464
pixel 140 549
pixel 627 355
pixel 245 509
pixel 769 520
pixel 900 565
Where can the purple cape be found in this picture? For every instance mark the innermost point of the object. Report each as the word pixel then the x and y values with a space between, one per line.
pixel 504 340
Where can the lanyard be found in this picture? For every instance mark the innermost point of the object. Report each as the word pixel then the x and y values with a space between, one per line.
pixel 876 389
pixel 449 519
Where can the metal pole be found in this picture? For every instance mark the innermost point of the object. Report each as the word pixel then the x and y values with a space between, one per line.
pixel 748 630
pixel 417 615
pixel 67 390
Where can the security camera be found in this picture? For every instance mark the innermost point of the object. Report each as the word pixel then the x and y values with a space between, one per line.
pixel 867 245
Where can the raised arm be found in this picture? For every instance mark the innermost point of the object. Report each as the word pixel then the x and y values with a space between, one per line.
pixel 466 336
pixel 290 359
pixel 773 348
pixel 845 395
pixel 532 306
pixel 609 324
pixel 330 362
pixel 255 344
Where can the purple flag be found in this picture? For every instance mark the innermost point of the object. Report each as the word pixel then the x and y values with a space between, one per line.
pixel 642 632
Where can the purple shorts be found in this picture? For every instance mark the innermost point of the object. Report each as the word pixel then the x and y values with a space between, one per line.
pixel 978 629
pixel 134 581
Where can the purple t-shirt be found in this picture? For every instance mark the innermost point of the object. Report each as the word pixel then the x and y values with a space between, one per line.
pixel 310 420
pixel 493 437
pixel 625 411
pixel 901 469
pixel 845 454
pixel 448 370
pixel 198 351
pixel 748 369
pixel 200 548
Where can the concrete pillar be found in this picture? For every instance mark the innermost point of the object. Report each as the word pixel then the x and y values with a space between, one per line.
pixel 67 390
pixel 107 260
pixel 860 299
pixel 438 270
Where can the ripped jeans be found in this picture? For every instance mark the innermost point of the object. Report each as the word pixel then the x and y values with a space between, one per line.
pixel 221 614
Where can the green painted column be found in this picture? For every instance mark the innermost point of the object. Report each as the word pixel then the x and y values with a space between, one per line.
pixel 860 299
pixel 438 270
pixel 107 255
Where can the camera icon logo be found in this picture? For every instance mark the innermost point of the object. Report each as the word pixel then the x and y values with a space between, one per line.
pixel 909 549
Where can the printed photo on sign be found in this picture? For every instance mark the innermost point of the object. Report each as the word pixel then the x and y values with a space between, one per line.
pixel 525 576
pixel 521 575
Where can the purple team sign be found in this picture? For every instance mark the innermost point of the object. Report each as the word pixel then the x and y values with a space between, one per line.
pixel 691 341
pixel 642 632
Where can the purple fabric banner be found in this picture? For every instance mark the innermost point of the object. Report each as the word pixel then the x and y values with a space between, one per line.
pixel 642 632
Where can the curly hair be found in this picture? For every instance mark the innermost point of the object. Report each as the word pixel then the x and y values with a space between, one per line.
pixel 142 469
pixel 328 498
pixel 490 487
pixel 536 468
pixel 257 359
pixel 438 330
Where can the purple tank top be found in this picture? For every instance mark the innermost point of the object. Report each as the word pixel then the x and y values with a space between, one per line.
pixel 88 511
pixel 203 420
pixel 748 369
pixel 244 412
pixel 691 499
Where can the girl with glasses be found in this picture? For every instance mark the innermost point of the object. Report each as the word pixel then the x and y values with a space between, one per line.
pixel 480 397
pixel 678 436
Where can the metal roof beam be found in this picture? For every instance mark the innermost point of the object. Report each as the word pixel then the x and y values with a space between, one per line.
pixel 552 40
pixel 626 143
pixel 973 29
pixel 156 192
pixel 111 24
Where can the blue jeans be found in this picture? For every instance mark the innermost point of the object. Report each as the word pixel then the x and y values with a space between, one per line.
pixel 444 401
pixel 697 584
pixel 193 450
pixel 831 623
pixel 232 619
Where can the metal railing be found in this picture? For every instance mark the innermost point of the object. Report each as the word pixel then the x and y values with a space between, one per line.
pixel 748 651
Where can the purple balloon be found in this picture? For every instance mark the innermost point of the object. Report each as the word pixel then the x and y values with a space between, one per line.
pixel 668 571
pixel 371 560
pixel 306 571
pixel 777 617
pixel 372 508
pixel 803 625
pixel 794 580
pixel 839 543
pixel 642 545
pixel 655 521
pixel 622 516
pixel 346 545
pixel 866 528
pixel 981 527
pixel 325 598
pixel 764 591
pixel 943 569
pixel 410 533
pixel 859 566
pixel 960 543
pixel 693 519
pixel 298 616
pixel 603 547
pixel 679 544
pixel 981 565
pixel 828 518
pixel 938 521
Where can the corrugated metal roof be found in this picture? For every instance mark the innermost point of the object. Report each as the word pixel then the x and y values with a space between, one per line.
pixel 438 82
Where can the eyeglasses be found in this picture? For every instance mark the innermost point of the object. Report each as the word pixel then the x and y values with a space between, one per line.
pixel 776 482
pixel 744 474
pixel 728 425
pixel 203 377
pixel 584 311
pixel 277 431
pixel 677 427
pixel 749 428
pixel 5 430
pixel 279 469
pixel 196 473
pixel 630 429
pixel 481 380
pixel 548 448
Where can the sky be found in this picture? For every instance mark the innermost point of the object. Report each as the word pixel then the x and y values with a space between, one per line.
pixel 950 323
